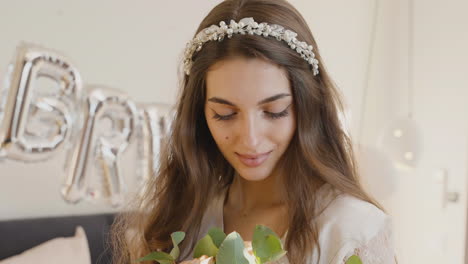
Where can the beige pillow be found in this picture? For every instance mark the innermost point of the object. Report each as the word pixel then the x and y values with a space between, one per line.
pixel 60 250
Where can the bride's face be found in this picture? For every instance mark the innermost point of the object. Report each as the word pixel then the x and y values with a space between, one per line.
pixel 250 113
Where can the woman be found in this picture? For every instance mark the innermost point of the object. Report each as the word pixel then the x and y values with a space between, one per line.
pixel 256 139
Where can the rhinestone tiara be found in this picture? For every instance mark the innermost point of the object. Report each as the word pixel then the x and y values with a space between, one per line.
pixel 247 25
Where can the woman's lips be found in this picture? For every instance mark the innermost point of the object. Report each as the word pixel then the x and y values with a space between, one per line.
pixel 253 160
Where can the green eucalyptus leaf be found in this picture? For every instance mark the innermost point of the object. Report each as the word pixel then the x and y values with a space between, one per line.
pixel 354 260
pixel 177 237
pixel 217 235
pixel 205 246
pixel 161 257
pixel 231 250
pixel 276 248
pixel 266 245
pixel 175 252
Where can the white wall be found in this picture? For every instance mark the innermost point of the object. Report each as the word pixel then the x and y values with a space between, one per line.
pixel 135 47
pixel 426 232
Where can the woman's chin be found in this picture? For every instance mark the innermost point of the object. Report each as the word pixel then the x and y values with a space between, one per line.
pixel 256 174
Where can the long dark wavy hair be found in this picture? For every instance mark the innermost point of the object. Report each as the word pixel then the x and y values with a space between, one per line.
pixel 192 170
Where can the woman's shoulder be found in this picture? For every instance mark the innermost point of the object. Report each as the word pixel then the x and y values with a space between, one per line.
pixel 351 215
pixel 343 207
pixel 347 224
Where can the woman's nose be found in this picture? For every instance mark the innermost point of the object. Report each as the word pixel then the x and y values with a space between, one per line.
pixel 250 133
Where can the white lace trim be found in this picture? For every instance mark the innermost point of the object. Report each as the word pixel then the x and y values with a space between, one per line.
pixel 379 250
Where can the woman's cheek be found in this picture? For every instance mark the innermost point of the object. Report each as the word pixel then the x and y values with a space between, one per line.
pixel 220 132
pixel 225 134
pixel 284 128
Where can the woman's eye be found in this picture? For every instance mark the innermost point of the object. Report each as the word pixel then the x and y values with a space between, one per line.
pixel 277 115
pixel 223 117
pixel 281 114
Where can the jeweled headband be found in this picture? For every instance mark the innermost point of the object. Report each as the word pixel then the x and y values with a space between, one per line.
pixel 248 26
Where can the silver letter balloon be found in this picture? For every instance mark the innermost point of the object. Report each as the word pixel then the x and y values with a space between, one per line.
pixel 109 124
pixel 44 110
pixel 34 124
pixel 155 124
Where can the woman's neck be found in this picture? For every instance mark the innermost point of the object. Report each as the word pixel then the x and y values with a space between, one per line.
pixel 247 196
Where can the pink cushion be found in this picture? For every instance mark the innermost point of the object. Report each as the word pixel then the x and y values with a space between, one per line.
pixel 70 250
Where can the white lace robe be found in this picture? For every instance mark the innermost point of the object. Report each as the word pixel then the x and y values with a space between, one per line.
pixel 347 226
pixel 380 249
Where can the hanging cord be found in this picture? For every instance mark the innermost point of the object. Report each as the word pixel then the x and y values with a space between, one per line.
pixel 410 57
pixel 370 59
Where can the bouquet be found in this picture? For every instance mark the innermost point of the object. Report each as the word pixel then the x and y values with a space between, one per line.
pixel 218 248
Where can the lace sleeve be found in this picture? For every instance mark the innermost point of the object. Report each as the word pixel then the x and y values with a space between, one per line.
pixel 379 250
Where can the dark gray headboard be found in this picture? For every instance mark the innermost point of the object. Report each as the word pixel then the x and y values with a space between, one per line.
pixel 22 234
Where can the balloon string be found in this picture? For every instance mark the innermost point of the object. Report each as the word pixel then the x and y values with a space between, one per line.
pixel 370 59
pixel 410 57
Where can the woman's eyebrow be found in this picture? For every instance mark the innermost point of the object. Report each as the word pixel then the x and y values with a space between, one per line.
pixel 264 101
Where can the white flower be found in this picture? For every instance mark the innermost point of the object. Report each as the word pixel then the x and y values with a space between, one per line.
pixel 248 252
pixel 201 260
